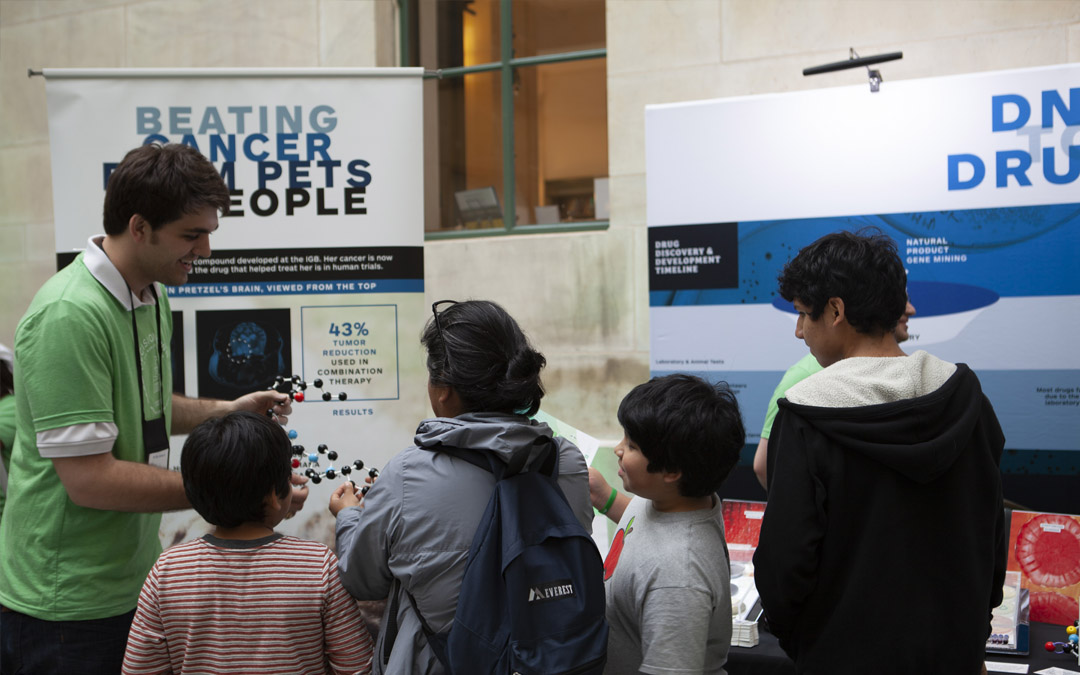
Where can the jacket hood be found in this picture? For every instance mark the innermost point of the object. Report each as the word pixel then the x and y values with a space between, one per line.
pixel 498 433
pixel 919 437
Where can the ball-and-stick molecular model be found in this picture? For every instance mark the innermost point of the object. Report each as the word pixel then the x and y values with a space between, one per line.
pixel 309 462
pixel 295 387
pixel 1071 644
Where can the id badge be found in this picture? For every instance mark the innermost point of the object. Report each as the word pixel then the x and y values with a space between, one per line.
pixel 156 442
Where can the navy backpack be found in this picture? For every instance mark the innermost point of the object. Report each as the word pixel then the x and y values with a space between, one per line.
pixel 532 596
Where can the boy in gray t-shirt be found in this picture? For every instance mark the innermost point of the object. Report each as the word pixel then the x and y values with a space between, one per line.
pixel 667 574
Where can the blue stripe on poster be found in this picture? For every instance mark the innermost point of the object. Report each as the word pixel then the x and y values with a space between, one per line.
pixel 1038 409
pixel 974 255
pixel 337 287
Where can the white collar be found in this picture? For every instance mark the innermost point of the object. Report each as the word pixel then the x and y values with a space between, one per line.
pixel 870 380
pixel 103 269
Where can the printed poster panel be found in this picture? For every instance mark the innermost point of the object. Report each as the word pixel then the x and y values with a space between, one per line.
pixel 975 178
pixel 1045 549
pixel 317 268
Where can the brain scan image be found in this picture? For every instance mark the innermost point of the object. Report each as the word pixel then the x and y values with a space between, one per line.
pixel 246 354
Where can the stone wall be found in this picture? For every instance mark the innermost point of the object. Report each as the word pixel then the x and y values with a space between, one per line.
pixel 582 297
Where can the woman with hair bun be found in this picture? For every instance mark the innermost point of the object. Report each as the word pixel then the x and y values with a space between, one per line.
pixel 413 531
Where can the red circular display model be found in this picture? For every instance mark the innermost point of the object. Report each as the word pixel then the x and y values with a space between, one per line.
pixel 1050 607
pixel 1048 550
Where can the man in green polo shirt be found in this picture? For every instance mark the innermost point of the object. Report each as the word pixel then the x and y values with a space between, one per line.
pixel 88 477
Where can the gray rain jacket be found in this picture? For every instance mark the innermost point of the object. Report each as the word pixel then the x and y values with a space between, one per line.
pixel 418 522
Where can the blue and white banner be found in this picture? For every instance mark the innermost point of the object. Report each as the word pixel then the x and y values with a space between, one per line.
pixel 975 177
pixel 317 269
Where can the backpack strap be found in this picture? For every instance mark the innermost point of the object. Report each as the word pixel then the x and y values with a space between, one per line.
pixel 549 457
pixel 435 641
pixel 482 460
pixel 392 628
pixel 547 464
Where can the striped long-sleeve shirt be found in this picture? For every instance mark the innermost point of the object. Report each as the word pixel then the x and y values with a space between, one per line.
pixel 271 605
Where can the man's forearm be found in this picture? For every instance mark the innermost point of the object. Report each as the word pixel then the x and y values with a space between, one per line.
pixel 188 413
pixel 104 482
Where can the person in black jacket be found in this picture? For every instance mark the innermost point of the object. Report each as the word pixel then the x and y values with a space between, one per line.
pixel 883 545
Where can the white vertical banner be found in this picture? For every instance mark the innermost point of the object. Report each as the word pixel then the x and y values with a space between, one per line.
pixel 317 268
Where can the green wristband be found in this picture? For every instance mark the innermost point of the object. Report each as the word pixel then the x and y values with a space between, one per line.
pixel 610 501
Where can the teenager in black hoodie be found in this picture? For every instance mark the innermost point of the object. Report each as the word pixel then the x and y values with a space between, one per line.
pixel 884 540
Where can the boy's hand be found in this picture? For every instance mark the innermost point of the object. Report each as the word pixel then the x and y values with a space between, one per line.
pixel 599 490
pixel 299 493
pixel 601 497
pixel 344 497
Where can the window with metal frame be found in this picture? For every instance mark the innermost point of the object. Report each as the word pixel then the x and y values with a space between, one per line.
pixel 515 119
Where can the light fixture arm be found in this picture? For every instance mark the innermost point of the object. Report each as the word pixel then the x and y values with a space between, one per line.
pixel 856 61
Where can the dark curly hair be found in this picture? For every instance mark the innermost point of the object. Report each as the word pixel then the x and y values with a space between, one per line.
pixel 478 349
pixel 161 183
pixel 7 379
pixel 683 423
pixel 862 268
pixel 230 464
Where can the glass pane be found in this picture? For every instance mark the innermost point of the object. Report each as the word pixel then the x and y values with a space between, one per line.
pixel 455 33
pixel 552 26
pixel 560 137
pixel 463 174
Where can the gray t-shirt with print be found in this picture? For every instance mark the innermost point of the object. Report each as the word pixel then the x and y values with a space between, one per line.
pixel 668 588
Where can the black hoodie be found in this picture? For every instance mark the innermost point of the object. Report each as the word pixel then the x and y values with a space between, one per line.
pixel 884 540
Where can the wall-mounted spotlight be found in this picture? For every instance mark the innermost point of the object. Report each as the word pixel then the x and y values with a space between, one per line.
pixel 856 61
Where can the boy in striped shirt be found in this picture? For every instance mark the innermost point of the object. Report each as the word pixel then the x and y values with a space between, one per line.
pixel 244 599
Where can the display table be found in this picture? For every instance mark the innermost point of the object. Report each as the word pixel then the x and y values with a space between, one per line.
pixel 765 659
pixel 768 659
pixel 1039 658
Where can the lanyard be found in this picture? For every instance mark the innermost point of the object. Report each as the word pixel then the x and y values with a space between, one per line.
pixel 138 352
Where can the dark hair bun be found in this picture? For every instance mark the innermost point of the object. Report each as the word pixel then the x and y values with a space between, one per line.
pixel 480 351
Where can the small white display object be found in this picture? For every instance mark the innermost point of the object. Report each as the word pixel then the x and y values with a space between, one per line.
pixel 744 633
pixel 744 605
pixel 1006 618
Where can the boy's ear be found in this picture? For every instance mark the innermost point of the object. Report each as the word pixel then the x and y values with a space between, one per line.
pixel 271 503
pixel 672 476
pixel 834 311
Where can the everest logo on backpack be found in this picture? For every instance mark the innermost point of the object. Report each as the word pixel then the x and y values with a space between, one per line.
pixel 553 591
pixel 532 596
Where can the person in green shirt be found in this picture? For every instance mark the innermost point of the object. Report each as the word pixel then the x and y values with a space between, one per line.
pixel 94 406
